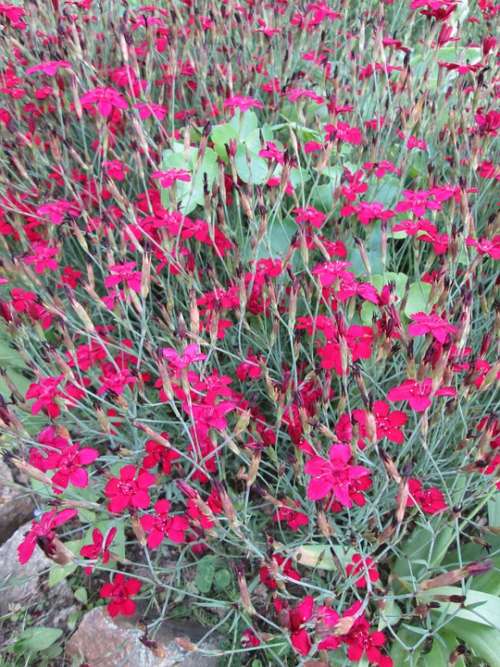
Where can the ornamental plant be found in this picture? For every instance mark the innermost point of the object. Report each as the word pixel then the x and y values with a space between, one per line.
pixel 249 319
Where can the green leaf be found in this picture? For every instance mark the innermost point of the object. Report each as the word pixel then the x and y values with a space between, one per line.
pixel 418 298
pixel 205 571
pixel 494 513
pixel 250 167
pixel 424 550
pixel 483 641
pixel 320 556
pixel 59 572
pixel 81 595
pixel 390 614
pixel 486 607
pixel 221 135
pixel 35 640
pixel 222 580
pixel 276 241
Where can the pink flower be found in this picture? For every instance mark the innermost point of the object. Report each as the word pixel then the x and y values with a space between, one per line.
pixel 105 99
pixel 67 459
pixel 162 524
pixel 149 109
pixel 189 356
pixel 129 490
pixel 124 273
pixel 310 215
pixel 43 531
pixel 167 178
pixel 242 103
pixel 115 169
pixel 43 258
pixel 418 394
pixel 432 324
pixel 333 475
pixel 49 67
pixel 344 132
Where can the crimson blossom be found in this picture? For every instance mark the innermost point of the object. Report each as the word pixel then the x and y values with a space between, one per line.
pixel 418 394
pixel 162 524
pixel 334 475
pixel 120 591
pixel 130 490
pixel 43 532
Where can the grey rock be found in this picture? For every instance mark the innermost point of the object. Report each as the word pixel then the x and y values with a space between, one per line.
pixel 101 641
pixel 22 585
pixel 16 507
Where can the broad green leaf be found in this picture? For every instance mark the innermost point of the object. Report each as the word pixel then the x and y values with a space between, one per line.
pixel 424 550
pixel 390 614
pixel 418 298
pixel 222 579
pixel 81 595
pixel 276 241
pixel 483 641
pixel 478 607
pixel 59 572
pixel 494 513
pixel 221 135
pixel 245 124
pixel 250 167
pixel 35 640
pixel 205 571
pixel 320 556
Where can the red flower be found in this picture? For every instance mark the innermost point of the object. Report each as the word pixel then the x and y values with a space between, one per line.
pixel 163 525
pixel 159 454
pixel 430 500
pixel 294 519
pixel 99 547
pixel 129 490
pixel 387 423
pixel 432 324
pixel 362 566
pixel 335 475
pixel 120 590
pixel 418 394
pixel 45 392
pixel 43 533
pixel 267 573
pixel 115 169
pixel 295 619
pixel 361 641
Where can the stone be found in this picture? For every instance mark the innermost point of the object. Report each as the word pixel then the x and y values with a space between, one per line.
pixel 16 507
pixel 118 643
pixel 22 585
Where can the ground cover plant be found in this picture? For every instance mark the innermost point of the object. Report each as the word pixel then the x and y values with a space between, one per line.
pixel 249 318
